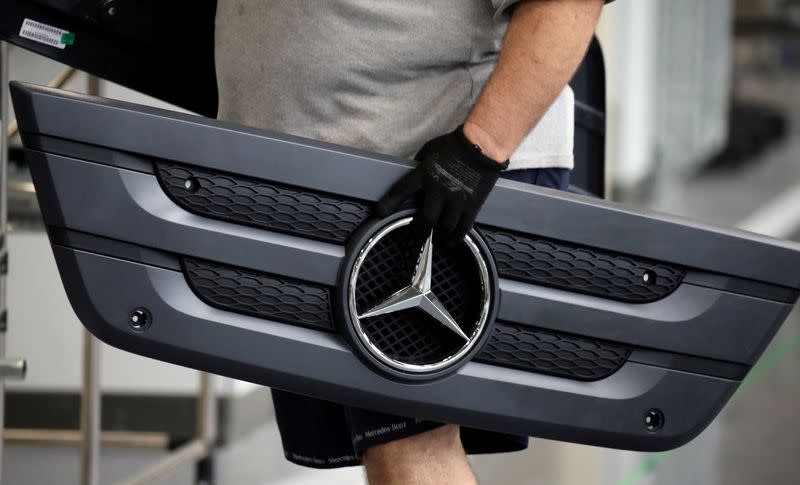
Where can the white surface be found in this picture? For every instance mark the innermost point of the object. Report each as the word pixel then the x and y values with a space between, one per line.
pixel 626 33
pixel 668 78
pixel 693 79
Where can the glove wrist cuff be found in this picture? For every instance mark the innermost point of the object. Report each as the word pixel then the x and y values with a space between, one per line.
pixel 477 154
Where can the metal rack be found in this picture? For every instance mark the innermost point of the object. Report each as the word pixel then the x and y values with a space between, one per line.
pixel 198 451
pixel 9 368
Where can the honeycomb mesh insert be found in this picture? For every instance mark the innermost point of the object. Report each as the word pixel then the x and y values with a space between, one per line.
pixel 261 204
pixel 582 270
pixel 551 353
pixel 260 295
pixel 411 336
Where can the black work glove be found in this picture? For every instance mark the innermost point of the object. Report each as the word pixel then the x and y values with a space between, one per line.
pixel 455 179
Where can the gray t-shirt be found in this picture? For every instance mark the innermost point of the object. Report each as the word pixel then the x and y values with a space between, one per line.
pixel 380 75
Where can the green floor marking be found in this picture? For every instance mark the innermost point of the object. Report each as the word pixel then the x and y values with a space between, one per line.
pixel 647 467
pixel 766 364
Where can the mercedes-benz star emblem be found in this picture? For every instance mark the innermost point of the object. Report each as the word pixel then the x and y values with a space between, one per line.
pixel 440 311
pixel 418 294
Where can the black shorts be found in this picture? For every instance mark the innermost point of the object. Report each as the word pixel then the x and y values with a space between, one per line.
pixel 322 434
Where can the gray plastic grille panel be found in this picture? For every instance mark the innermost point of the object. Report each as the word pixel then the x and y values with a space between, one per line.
pixel 261 204
pixel 260 295
pixel 552 353
pixel 580 269
pixel 705 320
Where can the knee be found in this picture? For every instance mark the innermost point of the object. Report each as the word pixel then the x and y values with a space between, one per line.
pixel 435 457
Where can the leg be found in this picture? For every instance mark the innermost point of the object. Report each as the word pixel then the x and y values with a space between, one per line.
pixel 435 457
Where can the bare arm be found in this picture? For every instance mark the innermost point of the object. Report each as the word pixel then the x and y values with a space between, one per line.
pixel 545 42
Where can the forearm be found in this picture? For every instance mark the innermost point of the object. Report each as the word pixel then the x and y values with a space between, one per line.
pixel 545 42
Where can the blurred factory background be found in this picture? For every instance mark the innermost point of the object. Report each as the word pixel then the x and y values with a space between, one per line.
pixel 703 121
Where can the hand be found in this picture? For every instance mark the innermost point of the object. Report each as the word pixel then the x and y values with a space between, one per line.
pixel 455 179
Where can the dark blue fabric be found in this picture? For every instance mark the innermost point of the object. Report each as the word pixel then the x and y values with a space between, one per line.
pixel 552 178
pixel 322 434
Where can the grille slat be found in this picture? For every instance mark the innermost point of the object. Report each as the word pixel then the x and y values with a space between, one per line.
pixel 259 294
pixel 261 204
pixel 583 270
pixel 544 352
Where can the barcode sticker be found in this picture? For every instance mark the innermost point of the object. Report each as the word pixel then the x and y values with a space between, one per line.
pixel 46 34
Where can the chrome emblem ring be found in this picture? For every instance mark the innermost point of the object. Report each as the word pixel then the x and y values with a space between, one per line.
pixel 419 293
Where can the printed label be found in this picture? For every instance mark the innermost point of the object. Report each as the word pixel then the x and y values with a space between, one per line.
pixel 46 34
